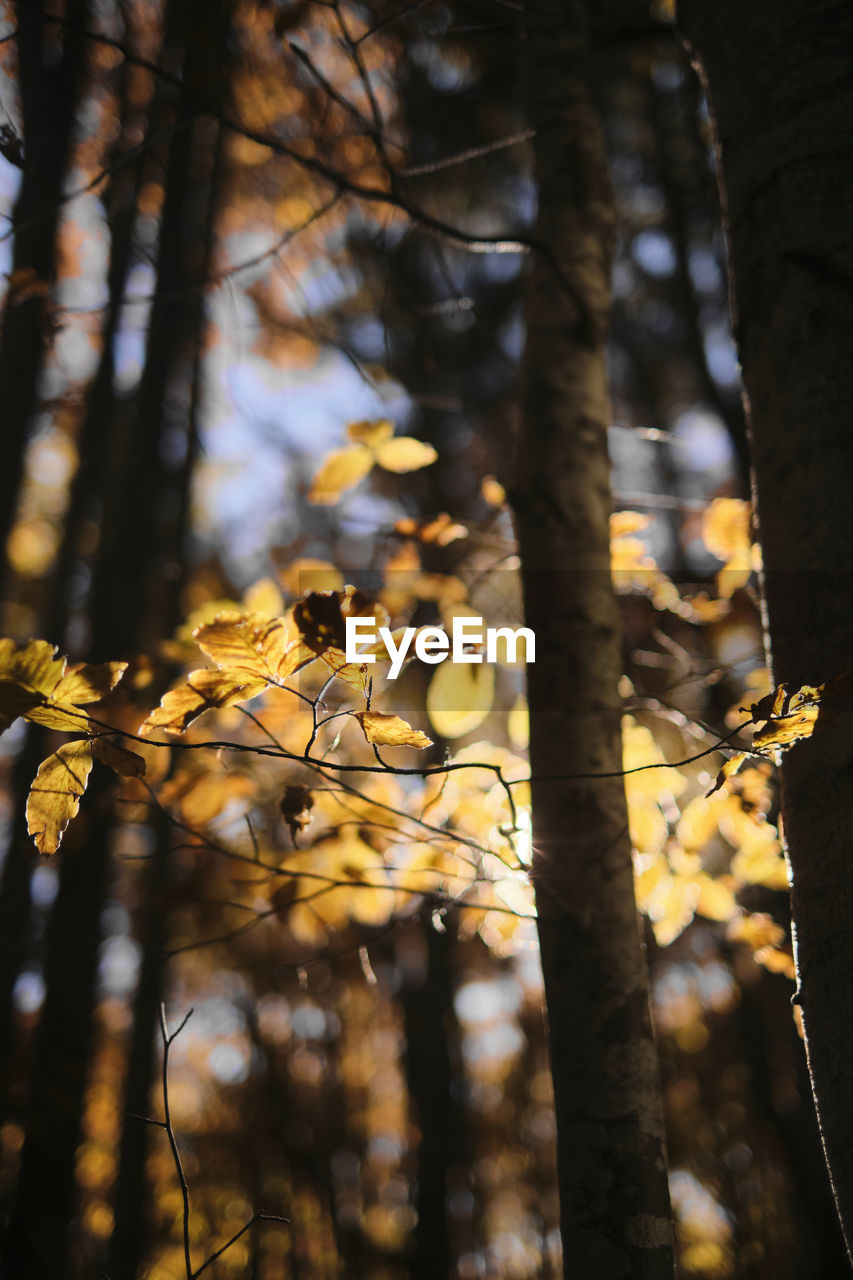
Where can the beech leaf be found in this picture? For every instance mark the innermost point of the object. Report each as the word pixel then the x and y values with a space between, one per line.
pixel 405 453
pixel 128 764
pixel 373 434
pixel 54 797
pixel 341 470
pixel 391 731
pixel 205 690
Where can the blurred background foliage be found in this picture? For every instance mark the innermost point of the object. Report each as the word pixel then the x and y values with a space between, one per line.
pixel 231 229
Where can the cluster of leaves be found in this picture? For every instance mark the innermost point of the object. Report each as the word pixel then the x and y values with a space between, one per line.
pixel 457 831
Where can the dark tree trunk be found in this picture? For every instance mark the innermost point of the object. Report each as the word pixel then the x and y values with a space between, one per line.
pixel 780 87
pixel 612 1162
pixel 430 1026
pixel 48 98
pixel 130 601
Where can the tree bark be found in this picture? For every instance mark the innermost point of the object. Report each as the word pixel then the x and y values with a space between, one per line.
pixel 780 90
pixel 48 94
pixel 612 1166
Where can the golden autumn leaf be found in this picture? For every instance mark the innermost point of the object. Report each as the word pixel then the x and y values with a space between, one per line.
pixel 264 596
pixel 391 731
pixel 340 471
pixel 777 961
pixel 756 929
pixel 33 666
pixel 126 763
pixel 731 766
pixel 440 531
pixel 460 697
pixel 305 574
pixel 405 453
pixel 37 684
pixel 254 646
pixel 83 682
pixel 786 730
pixel 725 532
pixel 54 797
pixel 204 690
pixel 493 491
pixel 370 433
pixel 716 900
pixel 14 702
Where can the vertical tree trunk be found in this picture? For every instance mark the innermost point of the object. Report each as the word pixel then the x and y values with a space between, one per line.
pixel 612 1164
pixel 431 1037
pixel 48 97
pixel 780 89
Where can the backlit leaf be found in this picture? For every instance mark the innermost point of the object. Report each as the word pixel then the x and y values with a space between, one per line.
pixel 460 697
pixel 253 645
pixel 54 797
pixel 391 731
pixel 404 453
pixel 205 690
pixel 341 470
pixel 731 766
pixel 129 764
pixel 373 434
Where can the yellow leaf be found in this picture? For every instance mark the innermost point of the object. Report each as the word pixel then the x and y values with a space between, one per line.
pixel 625 522
pixel 267 649
pixel 460 697
pixel 777 961
pixel 731 766
pixel 405 453
pixel 700 819
pixel 14 702
pixel 84 683
pixel 124 762
pixel 264 596
pixel 204 690
pixel 54 797
pixel 716 899
pixel 493 491
pixel 208 794
pixel 725 527
pixel 756 930
pixel 440 531
pixel 341 470
pixel 48 691
pixel 372 434
pixel 306 574
pixel 33 665
pixel 391 731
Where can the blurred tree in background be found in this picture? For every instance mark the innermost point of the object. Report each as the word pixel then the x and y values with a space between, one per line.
pixel 241 238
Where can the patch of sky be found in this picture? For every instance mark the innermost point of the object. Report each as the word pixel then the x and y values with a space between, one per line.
pixel 654 252
pixel 217 1017
pixel 229 1063
pixel 704 270
pixel 443 73
pixel 44 887
pixel 28 991
pixel 721 356
pixel 118 965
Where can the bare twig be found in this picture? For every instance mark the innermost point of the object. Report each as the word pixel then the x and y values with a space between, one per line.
pixel 168 1039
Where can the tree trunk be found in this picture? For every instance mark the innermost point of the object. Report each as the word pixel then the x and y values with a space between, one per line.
pixel 48 93
pixel 612 1166
pixel 781 94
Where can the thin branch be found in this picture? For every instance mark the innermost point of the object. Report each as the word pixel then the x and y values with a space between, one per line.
pixel 176 1155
